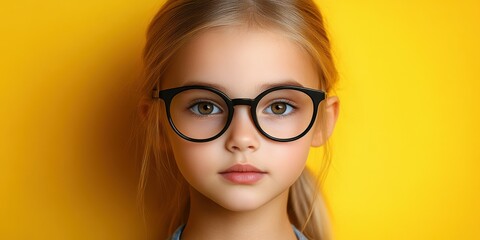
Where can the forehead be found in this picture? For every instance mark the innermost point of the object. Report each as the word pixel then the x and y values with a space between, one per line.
pixel 241 61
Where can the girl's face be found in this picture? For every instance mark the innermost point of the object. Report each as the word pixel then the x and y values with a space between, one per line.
pixel 242 63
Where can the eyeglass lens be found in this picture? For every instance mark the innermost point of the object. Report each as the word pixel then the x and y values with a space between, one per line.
pixel 202 114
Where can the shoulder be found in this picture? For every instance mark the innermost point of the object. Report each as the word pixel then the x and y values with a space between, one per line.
pixel 299 234
pixel 176 235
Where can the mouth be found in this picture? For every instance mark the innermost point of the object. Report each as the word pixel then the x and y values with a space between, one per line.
pixel 243 174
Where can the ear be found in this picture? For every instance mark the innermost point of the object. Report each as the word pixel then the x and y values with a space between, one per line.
pixel 144 107
pixel 331 115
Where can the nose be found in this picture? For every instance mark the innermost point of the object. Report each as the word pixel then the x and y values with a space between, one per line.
pixel 242 135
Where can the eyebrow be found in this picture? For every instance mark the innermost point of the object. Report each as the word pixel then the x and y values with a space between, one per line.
pixel 263 87
pixel 206 84
pixel 286 82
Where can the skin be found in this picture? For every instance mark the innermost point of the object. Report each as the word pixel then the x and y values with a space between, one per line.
pixel 241 62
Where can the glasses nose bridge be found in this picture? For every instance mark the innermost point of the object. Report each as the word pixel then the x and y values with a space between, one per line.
pixel 242 101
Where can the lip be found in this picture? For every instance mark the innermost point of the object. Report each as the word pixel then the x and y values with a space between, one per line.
pixel 243 174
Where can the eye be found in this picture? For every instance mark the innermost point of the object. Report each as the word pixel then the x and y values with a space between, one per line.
pixel 205 108
pixel 279 108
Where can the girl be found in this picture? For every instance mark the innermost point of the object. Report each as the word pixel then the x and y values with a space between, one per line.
pixel 235 94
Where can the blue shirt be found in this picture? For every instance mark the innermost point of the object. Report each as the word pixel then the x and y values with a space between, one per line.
pixel 178 233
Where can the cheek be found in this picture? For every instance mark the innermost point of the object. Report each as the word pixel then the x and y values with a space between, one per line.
pixel 297 150
pixel 195 160
pixel 289 160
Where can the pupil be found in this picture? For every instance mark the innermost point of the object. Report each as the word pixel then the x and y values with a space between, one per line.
pixel 205 108
pixel 278 108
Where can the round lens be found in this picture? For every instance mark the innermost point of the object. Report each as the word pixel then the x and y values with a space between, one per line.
pixel 285 113
pixel 198 113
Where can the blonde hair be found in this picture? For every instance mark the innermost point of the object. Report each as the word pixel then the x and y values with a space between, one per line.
pixel 176 23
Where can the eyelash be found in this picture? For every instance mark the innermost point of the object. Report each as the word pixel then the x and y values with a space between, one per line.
pixel 285 101
pixel 291 107
pixel 198 101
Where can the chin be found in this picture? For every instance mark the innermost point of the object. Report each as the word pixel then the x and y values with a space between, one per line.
pixel 248 201
pixel 241 204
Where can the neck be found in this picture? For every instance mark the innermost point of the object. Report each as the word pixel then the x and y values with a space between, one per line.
pixel 208 220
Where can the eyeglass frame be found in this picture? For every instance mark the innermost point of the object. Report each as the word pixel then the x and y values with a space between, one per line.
pixel 167 95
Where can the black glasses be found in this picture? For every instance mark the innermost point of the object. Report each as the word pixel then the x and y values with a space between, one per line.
pixel 202 114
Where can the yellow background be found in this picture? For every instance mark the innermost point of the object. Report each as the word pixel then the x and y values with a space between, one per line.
pixel 406 155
